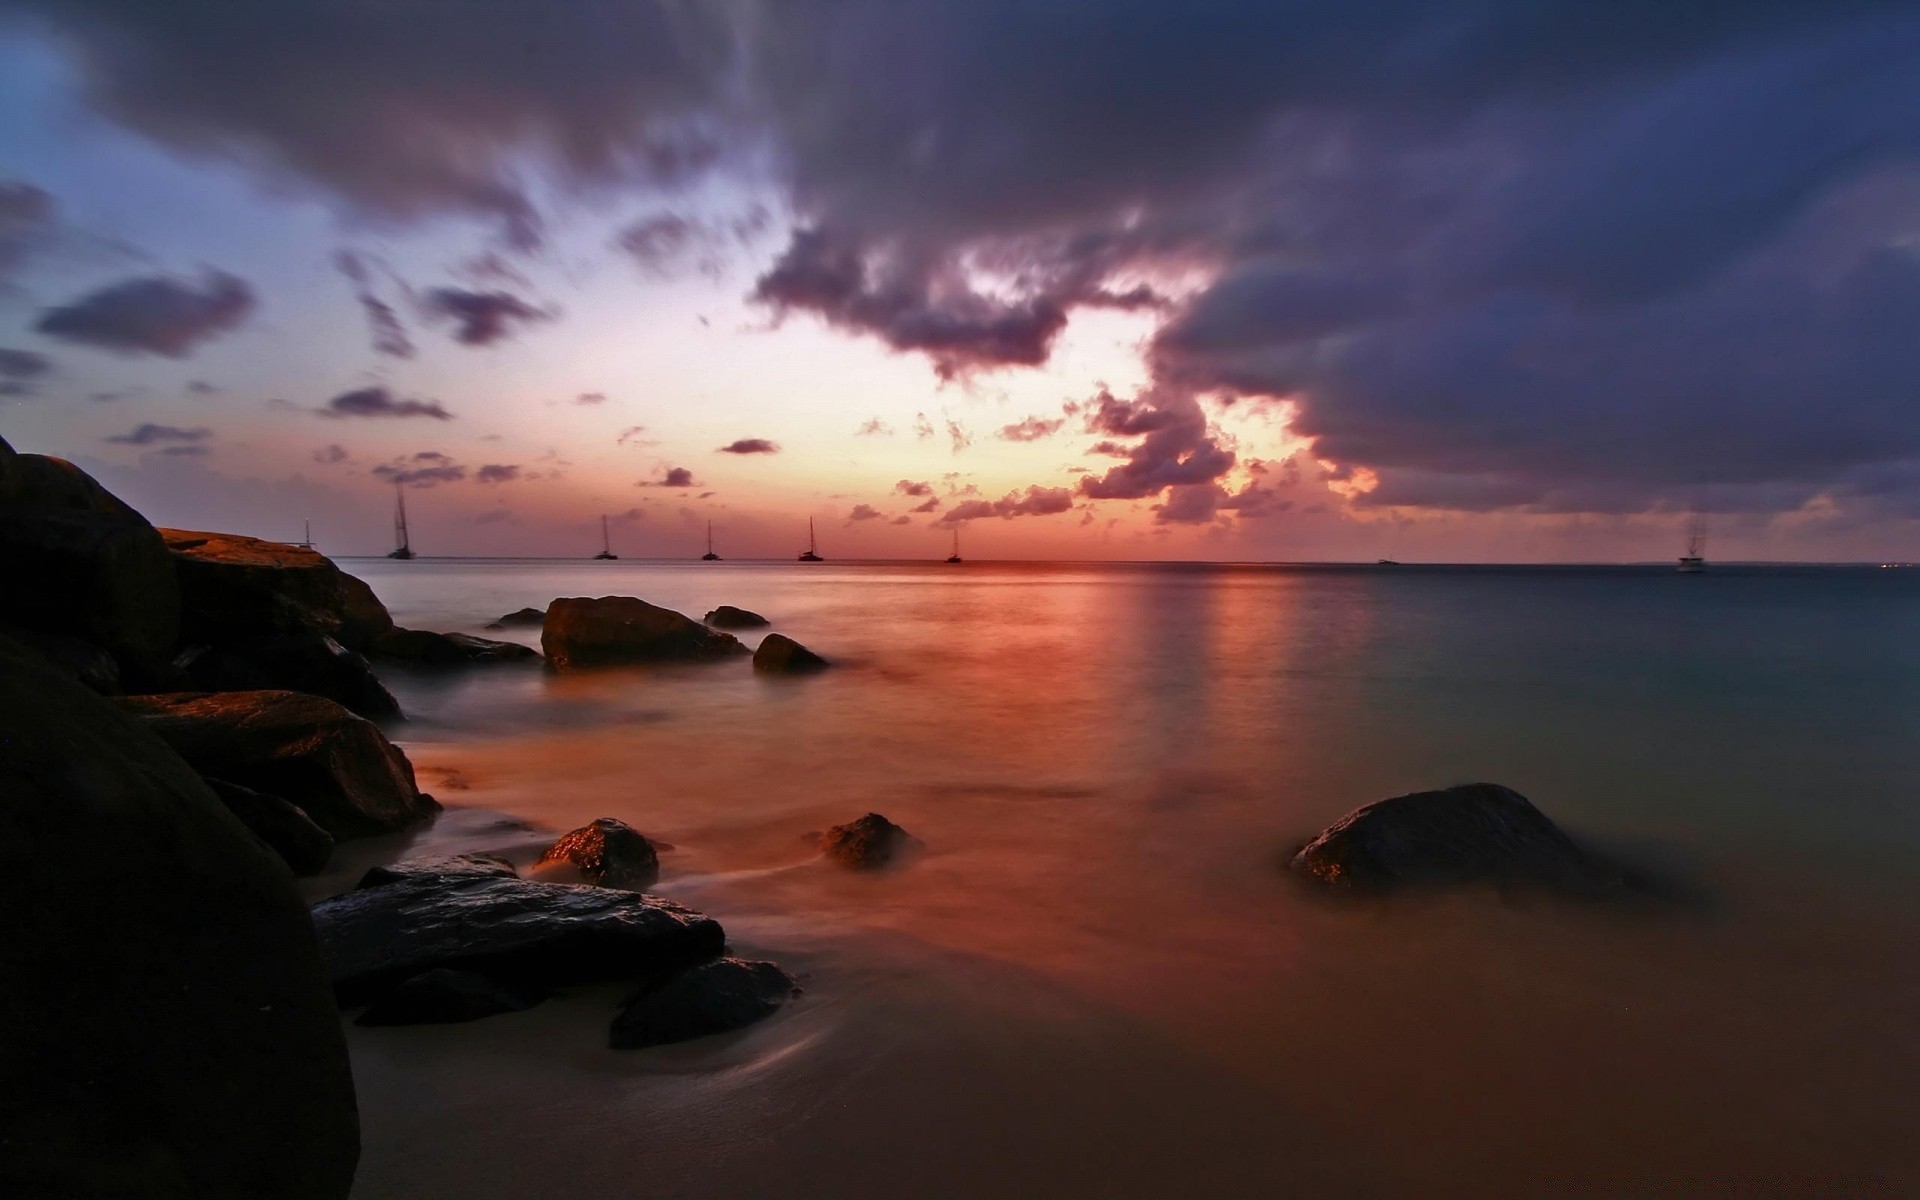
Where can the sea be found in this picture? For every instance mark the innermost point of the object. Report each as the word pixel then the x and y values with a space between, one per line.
pixel 1097 979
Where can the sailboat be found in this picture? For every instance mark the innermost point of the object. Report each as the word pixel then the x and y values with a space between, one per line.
pixel 955 556
pixel 1694 560
pixel 606 543
pixel 810 554
pixel 403 550
pixel 709 556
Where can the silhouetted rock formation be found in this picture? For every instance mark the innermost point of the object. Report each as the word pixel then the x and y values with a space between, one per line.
pixel 233 586
pixel 517 931
pixel 729 617
pixel 280 824
pixel 607 852
pixel 444 997
pixel 169 1031
pixel 866 844
pixel 619 630
pixel 447 649
pixel 1476 832
pixel 338 768
pixel 295 662
pixel 76 657
pixel 714 997
pixel 781 655
pixel 525 618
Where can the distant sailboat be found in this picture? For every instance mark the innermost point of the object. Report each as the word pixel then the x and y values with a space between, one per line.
pixel 606 543
pixel 403 550
pixel 955 556
pixel 709 556
pixel 1694 560
pixel 811 554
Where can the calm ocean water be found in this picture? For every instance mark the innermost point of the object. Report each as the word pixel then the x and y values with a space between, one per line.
pixel 1096 980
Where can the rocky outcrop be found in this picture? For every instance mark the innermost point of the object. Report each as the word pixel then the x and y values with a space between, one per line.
pixel 437 870
pixel 781 655
pixel 295 662
pixel 80 659
pixel 523 618
pixel 868 843
pixel 233 587
pixel 445 997
pixel 81 563
pixel 609 853
pixel 1472 833
pixel 620 630
pixel 729 617
pixel 286 830
pixel 714 997
pixel 336 767
pixel 516 931
pixel 428 649
pixel 169 1031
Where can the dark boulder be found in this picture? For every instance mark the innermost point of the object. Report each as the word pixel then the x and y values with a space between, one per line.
pixel 714 997
pixel 295 662
pixel 729 617
pixel 168 1028
pixel 445 997
pixel 617 630
pixel 72 656
pixel 609 853
pixel 781 655
pixel 1472 833
pixel 80 562
pixel 430 649
pixel 439 869
pixel 233 586
pixel 517 931
pixel 338 768
pixel 867 844
pixel 287 831
pixel 524 618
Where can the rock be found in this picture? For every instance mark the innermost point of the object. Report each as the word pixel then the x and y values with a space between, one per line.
pixel 169 1031
pixel 714 997
pixel 781 655
pixel 517 931
pixel 233 586
pixel 73 656
pixel 445 997
pixel 295 662
pixel 81 563
pixel 1476 832
pixel 286 830
pixel 866 844
pixel 338 768
pixel 439 869
pixel 729 617
pixel 608 853
pixel 524 618
pixel 615 630
pixel 447 649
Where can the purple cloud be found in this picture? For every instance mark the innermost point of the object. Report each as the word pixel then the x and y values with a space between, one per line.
pixel 160 315
pixel 749 446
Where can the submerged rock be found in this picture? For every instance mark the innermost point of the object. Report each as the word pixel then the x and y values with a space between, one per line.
pixel 516 931
pixel 866 844
pixel 439 869
pixel 337 767
pixel 168 1029
pixel 524 618
pixel 296 662
pixel 616 630
pixel 781 655
pixel 729 617
pixel 287 831
pixel 608 853
pixel 445 997
pixel 714 997
pixel 447 649
pixel 233 586
pixel 1476 832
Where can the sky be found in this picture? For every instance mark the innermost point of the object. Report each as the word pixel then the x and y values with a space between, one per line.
pixel 1451 280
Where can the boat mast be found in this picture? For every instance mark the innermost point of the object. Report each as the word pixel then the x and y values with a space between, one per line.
pixel 606 542
pixel 811 548
pixel 709 535
pixel 400 514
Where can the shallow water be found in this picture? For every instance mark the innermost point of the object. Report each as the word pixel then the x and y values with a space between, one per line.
pixel 1095 981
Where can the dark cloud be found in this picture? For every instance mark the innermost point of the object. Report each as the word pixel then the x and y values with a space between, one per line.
pixel 672 477
pixel 200 387
pixel 864 512
pixel 1030 430
pixel 632 434
pixel 482 318
pixel 1178 448
pixel 497 473
pixel 422 477
pixel 157 315
pixel 749 446
pixel 1036 502
pixel 909 487
pixel 379 402
pixel 329 455
pixel 27 221
pixel 930 504
pixel 389 335
pixel 23 364
pixel 590 398
pixel 149 435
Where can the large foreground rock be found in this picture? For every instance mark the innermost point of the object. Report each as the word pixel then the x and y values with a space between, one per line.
pixel 337 767
pixel 233 586
pixel 779 654
pixel 280 825
pixel 715 997
pixel 428 649
pixel 608 853
pixel 77 561
pixel 617 630
pixel 294 662
pixel 166 1029
pixel 516 931
pixel 1476 832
